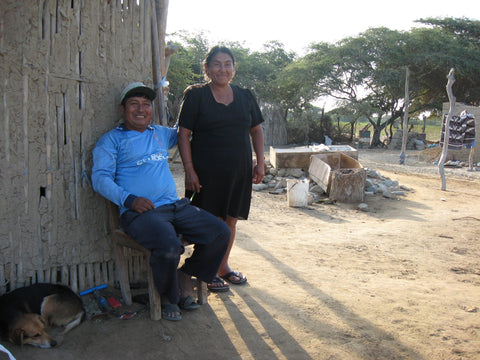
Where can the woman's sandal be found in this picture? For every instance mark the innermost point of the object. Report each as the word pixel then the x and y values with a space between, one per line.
pixel 188 303
pixel 234 274
pixel 214 287
pixel 168 310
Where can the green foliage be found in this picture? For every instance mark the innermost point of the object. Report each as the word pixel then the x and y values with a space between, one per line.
pixel 186 65
pixel 309 126
pixel 366 74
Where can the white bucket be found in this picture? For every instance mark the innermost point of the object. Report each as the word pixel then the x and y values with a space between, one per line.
pixel 297 192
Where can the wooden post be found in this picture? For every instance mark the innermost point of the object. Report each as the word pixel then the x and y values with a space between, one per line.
pixel 470 158
pixel 156 65
pixel 162 12
pixel 446 126
pixel 405 118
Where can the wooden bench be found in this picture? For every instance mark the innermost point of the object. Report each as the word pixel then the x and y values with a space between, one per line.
pixel 120 242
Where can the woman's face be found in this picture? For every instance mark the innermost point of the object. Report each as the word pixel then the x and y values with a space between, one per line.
pixel 221 69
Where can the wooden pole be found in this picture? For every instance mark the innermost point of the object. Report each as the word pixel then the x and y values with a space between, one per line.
pixel 156 65
pixel 446 126
pixel 405 118
pixel 162 12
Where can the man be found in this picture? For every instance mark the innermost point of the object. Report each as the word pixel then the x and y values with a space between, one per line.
pixel 131 169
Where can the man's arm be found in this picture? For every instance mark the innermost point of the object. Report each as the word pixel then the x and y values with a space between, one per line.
pixel 103 173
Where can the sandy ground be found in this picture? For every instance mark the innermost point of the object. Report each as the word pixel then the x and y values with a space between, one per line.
pixel 401 281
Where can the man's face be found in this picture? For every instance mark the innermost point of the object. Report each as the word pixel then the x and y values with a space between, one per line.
pixel 137 113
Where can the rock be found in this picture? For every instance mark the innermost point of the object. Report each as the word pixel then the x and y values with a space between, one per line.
pixel 390 183
pixel 276 183
pixel 382 188
pixel 281 184
pixel 296 173
pixel 316 189
pixel 373 174
pixel 268 178
pixel 369 183
pixel 259 187
pixel 277 191
pixel 362 207
pixel 272 171
pixel 387 194
pixel 419 144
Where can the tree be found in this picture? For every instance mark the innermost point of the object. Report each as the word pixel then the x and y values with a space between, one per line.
pixel 259 71
pixel 367 73
pixel 463 39
pixel 185 68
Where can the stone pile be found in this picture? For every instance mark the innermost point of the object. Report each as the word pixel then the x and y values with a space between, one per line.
pixel 415 141
pixel 275 182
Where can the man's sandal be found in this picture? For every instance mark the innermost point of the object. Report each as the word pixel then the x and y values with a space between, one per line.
pixel 168 310
pixel 188 303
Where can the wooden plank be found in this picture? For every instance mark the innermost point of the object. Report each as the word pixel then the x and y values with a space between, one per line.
pixel 348 185
pixel 82 284
pixel 319 171
pixel 340 176
pixel 299 157
pixel 90 275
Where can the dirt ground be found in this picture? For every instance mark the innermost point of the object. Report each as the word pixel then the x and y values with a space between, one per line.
pixel 401 281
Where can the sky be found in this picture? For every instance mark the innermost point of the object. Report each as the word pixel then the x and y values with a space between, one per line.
pixel 298 23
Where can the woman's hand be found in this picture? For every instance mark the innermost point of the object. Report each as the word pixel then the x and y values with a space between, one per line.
pixel 258 173
pixel 192 182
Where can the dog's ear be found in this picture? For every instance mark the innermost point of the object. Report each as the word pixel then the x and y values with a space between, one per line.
pixel 16 336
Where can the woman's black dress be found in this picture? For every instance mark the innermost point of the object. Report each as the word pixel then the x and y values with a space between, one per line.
pixel 221 148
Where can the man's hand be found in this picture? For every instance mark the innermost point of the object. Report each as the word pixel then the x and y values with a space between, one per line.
pixel 141 205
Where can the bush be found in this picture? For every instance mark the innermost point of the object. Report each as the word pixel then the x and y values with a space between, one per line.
pixel 308 127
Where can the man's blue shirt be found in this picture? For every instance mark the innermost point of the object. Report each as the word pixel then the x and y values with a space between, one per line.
pixel 128 162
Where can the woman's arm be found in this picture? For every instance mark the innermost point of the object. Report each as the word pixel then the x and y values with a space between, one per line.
pixel 256 134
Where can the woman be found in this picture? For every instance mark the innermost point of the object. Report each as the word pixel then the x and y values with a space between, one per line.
pixel 221 118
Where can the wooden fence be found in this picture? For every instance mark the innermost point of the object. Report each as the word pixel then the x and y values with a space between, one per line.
pixel 62 67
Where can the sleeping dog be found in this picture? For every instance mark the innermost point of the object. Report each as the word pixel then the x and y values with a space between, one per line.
pixel 26 313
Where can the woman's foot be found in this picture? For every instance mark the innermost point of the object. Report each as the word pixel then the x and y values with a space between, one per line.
pixel 218 285
pixel 234 277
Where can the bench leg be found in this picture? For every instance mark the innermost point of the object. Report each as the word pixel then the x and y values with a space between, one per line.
pixel 122 273
pixel 154 298
pixel 202 292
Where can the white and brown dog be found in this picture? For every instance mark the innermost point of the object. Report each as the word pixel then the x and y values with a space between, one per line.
pixel 27 313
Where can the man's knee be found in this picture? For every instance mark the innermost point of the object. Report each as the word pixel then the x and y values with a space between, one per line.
pixel 166 253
